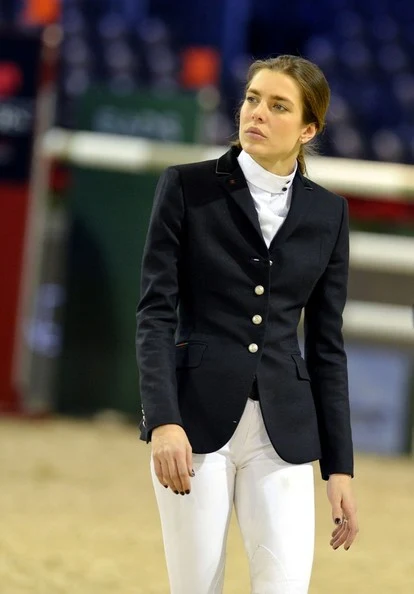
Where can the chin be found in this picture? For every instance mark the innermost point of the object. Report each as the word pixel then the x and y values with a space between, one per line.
pixel 253 148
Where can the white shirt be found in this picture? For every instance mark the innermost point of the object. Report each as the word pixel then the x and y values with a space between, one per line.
pixel 272 194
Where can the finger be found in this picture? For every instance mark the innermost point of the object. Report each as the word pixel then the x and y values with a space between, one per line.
pixel 337 529
pixel 350 538
pixel 166 474
pixel 159 473
pixel 340 541
pixel 337 513
pixel 343 529
pixel 341 537
pixel 189 459
pixel 174 478
pixel 182 471
pixel 336 533
pixel 353 531
pixel 351 515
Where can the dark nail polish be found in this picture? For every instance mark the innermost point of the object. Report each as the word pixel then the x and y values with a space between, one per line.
pixel 187 492
pixel 346 548
pixel 338 521
pixel 166 486
pixel 192 473
pixel 176 492
pixel 182 493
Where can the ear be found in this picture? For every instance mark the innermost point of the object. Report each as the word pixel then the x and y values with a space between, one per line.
pixel 308 132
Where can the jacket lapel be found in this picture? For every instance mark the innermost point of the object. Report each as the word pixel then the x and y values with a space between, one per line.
pixel 300 203
pixel 232 179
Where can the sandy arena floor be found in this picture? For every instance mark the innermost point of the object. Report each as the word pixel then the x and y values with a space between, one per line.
pixel 77 516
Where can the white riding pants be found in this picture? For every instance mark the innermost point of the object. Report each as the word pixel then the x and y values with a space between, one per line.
pixel 274 503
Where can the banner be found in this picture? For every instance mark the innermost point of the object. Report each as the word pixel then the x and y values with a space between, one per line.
pixel 173 117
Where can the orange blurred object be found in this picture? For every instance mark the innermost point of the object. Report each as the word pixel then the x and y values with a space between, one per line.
pixel 200 67
pixel 42 12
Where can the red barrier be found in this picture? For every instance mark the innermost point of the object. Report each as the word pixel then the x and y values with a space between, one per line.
pixel 13 209
pixel 20 70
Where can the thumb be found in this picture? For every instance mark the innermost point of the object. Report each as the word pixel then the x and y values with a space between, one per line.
pixel 337 513
pixel 189 459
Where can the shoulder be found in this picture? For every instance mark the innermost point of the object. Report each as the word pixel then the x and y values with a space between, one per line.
pixel 191 170
pixel 209 169
pixel 329 201
pixel 325 194
pixel 191 179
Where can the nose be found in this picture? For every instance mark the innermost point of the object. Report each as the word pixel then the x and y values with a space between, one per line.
pixel 258 112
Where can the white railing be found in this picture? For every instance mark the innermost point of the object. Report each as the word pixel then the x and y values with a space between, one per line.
pixel 372 252
pixel 370 179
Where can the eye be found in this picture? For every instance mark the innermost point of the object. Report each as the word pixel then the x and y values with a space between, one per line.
pixel 279 107
pixel 251 99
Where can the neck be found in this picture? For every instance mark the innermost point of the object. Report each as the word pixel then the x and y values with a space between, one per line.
pixel 280 167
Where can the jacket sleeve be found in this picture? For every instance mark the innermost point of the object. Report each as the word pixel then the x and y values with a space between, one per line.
pixel 326 358
pixel 157 309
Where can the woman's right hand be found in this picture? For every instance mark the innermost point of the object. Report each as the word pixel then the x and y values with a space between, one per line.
pixel 172 456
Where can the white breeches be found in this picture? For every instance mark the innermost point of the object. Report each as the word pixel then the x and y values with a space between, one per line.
pixel 274 503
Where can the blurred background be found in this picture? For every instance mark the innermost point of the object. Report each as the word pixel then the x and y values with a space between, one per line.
pixel 96 98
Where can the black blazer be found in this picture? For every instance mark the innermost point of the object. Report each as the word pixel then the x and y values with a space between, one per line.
pixel 212 292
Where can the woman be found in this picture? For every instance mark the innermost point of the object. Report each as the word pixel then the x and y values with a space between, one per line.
pixel 235 249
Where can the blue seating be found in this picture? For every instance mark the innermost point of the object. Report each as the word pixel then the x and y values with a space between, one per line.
pixel 366 50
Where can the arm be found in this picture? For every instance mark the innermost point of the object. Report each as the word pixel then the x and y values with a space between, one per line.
pixel 155 337
pixel 156 312
pixel 326 357
pixel 327 364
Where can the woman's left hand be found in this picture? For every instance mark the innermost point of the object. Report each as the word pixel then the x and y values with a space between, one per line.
pixel 344 512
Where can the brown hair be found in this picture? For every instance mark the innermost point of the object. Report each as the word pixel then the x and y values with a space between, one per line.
pixel 314 90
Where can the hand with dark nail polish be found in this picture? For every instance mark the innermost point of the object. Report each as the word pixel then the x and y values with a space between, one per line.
pixel 344 513
pixel 172 457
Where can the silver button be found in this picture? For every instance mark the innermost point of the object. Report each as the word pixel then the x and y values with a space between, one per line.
pixel 259 290
pixel 256 319
pixel 253 348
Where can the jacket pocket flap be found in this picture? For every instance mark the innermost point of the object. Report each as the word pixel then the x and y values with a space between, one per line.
pixel 189 354
pixel 301 368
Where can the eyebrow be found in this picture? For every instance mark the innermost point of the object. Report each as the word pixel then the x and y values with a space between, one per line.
pixel 275 97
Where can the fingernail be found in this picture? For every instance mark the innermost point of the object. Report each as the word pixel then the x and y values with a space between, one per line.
pixel 187 492
pixel 346 548
pixel 338 521
pixel 166 486
pixel 182 493
pixel 176 492
pixel 192 473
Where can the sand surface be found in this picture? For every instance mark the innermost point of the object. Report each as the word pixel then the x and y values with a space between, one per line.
pixel 78 516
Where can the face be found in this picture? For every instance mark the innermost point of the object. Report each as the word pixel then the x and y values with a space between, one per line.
pixel 271 126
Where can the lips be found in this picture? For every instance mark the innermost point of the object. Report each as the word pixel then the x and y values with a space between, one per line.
pixel 255 132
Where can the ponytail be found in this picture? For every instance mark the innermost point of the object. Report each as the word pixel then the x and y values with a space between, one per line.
pixel 301 160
